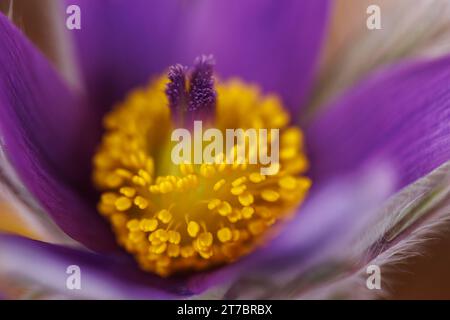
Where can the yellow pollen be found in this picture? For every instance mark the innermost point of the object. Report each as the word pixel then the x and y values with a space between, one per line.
pixel 133 225
pixel 193 229
pixel 147 225
pixel 256 177
pixel 174 237
pixel 214 204
pixel 205 239
pixel 246 199
pixel 165 216
pixel 224 234
pixel 224 208
pixel 141 202
pixel 270 195
pixel 128 191
pixel 123 204
pixel 247 212
pixel 187 217
pixel 219 184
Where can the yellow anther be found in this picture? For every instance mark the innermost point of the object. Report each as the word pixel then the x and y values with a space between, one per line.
pixel 145 175
pixel 137 180
pixel 123 203
pixel 133 225
pixel 154 189
pixel 247 212
pixel 224 234
pixel 205 239
pixel 288 183
pixel 165 216
pixel 214 203
pixel 141 202
pixel 118 220
pixel 206 254
pixel 270 195
pixel 154 239
pixel 136 236
pixel 246 199
pixel 292 137
pixel 221 166
pixel 186 168
pixel 174 237
pixel 234 216
pixel 158 249
pixel 105 209
pixel 288 153
pixel 238 190
pixel 207 170
pixel 113 181
pixel 128 191
pixel 199 247
pixel 166 187
pixel 238 181
pixel 148 225
pixel 239 235
pixel 256 177
pixel 109 198
pixel 304 183
pixel 256 227
pixel 187 251
pixel 162 235
pixel 193 228
pixel 123 173
pixel 219 184
pixel 192 180
pixel 264 212
pixel 224 208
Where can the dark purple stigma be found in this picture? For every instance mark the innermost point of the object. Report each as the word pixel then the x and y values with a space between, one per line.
pixel 176 88
pixel 202 94
pixel 197 98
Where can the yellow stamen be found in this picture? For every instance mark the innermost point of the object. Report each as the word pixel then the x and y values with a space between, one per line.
pixel 193 229
pixel 183 218
pixel 123 204
pixel 224 234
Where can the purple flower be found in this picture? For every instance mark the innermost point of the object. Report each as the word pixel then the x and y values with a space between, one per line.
pixel 374 141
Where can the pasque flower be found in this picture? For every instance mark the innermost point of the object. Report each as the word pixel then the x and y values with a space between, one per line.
pixel 181 232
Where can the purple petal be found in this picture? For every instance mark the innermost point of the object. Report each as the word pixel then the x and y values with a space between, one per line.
pixel 379 138
pixel 44 129
pixel 122 45
pixel 390 131
pixel 399 116
pixel 272 43
pixel 102 276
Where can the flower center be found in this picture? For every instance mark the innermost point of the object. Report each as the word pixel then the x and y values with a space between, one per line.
pixel 177 218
